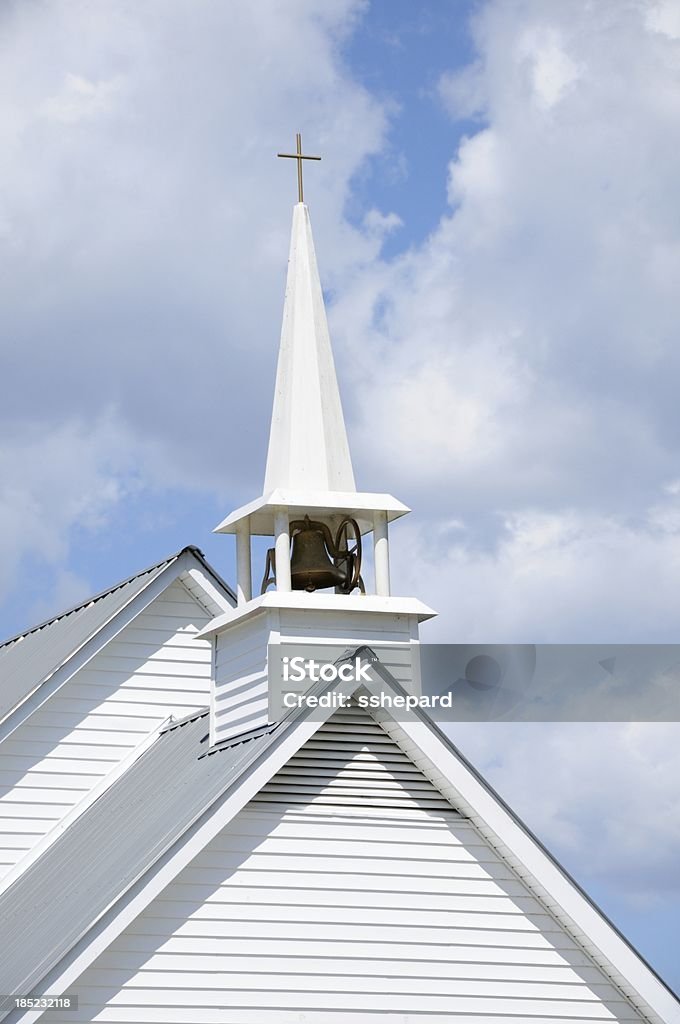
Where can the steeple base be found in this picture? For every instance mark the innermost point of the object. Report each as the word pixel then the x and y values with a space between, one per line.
pixel 250 642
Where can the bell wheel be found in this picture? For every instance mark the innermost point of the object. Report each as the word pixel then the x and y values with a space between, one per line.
pixel 348 551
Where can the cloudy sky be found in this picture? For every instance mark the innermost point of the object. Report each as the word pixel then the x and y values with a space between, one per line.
pixel 497 221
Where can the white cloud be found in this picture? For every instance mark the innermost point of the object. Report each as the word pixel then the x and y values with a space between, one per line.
pixel 52 478
pixel 79 99
pixel 381 224
pixel 664 16
pixel 515 370
pixel 547 577
pixel 551 69
pixel 611 813
pixel 144 221
pixel 525 353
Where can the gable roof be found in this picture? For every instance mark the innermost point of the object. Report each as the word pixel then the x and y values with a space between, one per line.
pixel 115 841
pixel 29 659
pixel 458 779
pixel 134 840
pixel 153 819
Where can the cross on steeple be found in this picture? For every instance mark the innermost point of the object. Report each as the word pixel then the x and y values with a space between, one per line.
pixel 299 156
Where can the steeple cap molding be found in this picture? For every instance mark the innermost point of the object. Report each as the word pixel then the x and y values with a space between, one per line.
pixel 331 608
pixel 331 505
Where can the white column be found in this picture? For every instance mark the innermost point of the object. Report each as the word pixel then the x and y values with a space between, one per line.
pixel 244 581
pixel 381 554
pixel 282 547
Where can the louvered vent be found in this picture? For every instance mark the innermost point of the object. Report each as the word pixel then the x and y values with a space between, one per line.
pixel 351 762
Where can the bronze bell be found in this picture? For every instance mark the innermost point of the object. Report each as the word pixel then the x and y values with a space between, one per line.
pixel 318 559
pixel 311 567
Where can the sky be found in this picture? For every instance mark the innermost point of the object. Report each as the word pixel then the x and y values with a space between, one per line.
pixel 497 224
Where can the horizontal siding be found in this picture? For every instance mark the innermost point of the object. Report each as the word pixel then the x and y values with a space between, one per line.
pixel 390 638
pixel 360 626
pixel 152 669
pixel 187 1013
pixel 240 696
pixel 241 689
pixel 388 907
pixel 341 778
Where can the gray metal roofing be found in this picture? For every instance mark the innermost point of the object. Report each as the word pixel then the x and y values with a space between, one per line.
pixel 113 843
pixel 28 659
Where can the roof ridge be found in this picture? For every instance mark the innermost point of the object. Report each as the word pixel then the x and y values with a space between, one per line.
pixel 177 723
pixel 103 593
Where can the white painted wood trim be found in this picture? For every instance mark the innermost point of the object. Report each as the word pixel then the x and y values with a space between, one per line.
pixel 45 689
pixel 211 702
pixel 88 650
pixel 213 593
pixel 416 677
pixel 125 908
pixel 358 504
pixel 381 554
pixel 320 601
pixel 244 581
pixel 282 547
pixel 474 797
pixel 271 907
pixel 308 444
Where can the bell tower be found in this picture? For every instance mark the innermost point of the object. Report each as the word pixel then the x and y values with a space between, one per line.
pixel 315 593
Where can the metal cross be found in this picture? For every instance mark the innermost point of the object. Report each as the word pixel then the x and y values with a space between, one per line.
pixel 299 156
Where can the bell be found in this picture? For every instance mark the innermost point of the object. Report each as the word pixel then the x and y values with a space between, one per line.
pixel 311 567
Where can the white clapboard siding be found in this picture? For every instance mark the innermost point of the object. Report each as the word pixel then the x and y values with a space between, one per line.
pixel 348 891
pixel 240 695
pixel 392 638
pixel 243 677
pixel 153 668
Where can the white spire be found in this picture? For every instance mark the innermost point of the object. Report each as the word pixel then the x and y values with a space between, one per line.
pixel 308 447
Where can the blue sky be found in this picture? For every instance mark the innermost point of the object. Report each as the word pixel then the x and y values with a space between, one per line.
pixel 400 53
pixel 497 224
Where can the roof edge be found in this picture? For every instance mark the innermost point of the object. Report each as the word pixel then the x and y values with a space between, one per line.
pixel 425 720
pixel 286 737
pixel 289 735
pixel 88 645
pixel 188 549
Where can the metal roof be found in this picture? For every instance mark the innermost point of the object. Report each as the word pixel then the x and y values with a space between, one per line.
pixel 31 657
pixel 113 843
pixel 61 897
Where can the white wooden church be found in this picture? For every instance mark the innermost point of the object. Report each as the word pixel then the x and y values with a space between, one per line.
pixel 169 853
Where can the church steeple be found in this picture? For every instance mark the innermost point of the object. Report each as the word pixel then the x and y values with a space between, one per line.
pixel 309 481
pixel 320 523
pixel 308 447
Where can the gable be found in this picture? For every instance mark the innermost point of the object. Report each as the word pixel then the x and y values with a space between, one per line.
pixel 28 659
pixel 347 889
pixel 109 866
pixel 100 719
pixel 34 664
pixel 351 763
pixel 97 872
